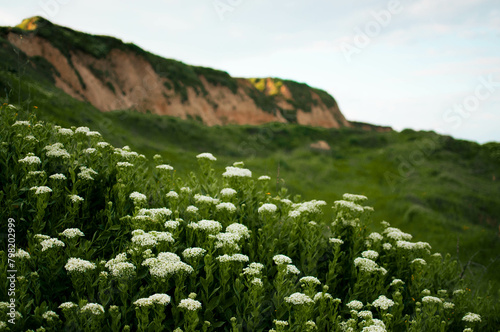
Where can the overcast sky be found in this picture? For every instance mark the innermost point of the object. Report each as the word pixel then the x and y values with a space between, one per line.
pixel 421 64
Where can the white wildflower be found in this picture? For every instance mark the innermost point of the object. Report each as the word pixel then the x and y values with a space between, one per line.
pixel 471 318
pixel 124 164
pixel 90 150
pixel 370 254
pixel 75 199
pixel 193 252
pixel 93 308
pixel 65 131
pixel 431 299
pixel 354 198
pixel 383 302
pixel 264 178
pixel 51 243
pixel 190 304
pixel 41 190
pixel 299 299
pixel 239 229
pixel 355 305
pixel 71 233
pixel 282 259
pixel 57 176
pixel 226 206
pixel 172 194
pixel 79 265
pixel 206 155
pixel 137 197
pixel 22 254
pixel 336 241
pixel 192 209
pixel 292 269
pixel 236 172
pixel 30 159
pixel 171 224
pixel 310 280
pixel 267 208
pixel 165 167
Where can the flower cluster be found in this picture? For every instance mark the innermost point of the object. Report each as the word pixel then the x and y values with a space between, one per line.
pixel 236 172
pixel 299 299
pixel 79 265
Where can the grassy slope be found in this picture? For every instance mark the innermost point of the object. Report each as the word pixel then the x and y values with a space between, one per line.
pixel 449 194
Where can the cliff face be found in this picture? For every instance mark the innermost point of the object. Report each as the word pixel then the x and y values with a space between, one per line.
pixel 113 75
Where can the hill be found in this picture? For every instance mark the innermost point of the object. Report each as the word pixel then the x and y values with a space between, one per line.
pixel 112 75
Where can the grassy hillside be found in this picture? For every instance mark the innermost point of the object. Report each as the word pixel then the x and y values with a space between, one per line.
pixel 442 190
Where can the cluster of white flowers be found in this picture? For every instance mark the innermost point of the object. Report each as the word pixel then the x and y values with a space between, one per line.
pixel 50 315
pixel 355 305
pixel 397 234
pixel 155 213
pixel 193 252
pixel 22 254
pixel 335 241
pixel 190 304
pixel 40 190
pixel 226 206
pixel 119 267
pixel 72 233
pixel 67 305
pixel 205 199
pixel 374 328
pixel 86 173
pixel 165 167
pixel 375 237
pixel 30 138
pixel 75 199
pixel 431 299
pixel 310 280
pixel 264 178
pixel 471 317
pixel 206 155
pixel 383 302
pixel 236 172
pixel 159 298
pixel 233 258
pixel 413 246
pixel 348 205
pixel 124 164
pixel 207 226
pixel 30 159
pixel 292 269
pixel 21 123
pixel 91 151
pixel 322 296
pixel 228 241
pixel 166 264
pixel 306 207
pixel 267 208
pixel 368 265
pixel 354 198
pixel 282 259
pixel 65 131
pixel 172 194
pixel 126 153
pixel 93 308
pixel 299 299
pixel 186 190
pixel 253 269
pixel 365 314
pixel 79 265
pixel 192 209
pixel 419 261
pixel 286 201
pixel 370 254
pixel 448 305
pixel 228 192
pixel 171 224
pixel 94 134
pixel 239 229
pixel 57 176
pixel 103 145
pixel 51 243
pixel 397 282
pixel 82 130
pixel 280 323
pixel 137 197
pixel 57 150
pixel 150 239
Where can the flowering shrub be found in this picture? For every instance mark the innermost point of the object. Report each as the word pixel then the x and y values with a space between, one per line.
pixel 107 240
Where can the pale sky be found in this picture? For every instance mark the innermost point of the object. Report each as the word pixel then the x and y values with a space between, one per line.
pixel 420 64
